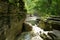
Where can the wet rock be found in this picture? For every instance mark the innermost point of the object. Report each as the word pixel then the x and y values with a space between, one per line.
pixel 44 25
pixel 55 22
pixel 26 27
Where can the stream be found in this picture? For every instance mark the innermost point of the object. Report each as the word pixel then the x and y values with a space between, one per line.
pixel 36 32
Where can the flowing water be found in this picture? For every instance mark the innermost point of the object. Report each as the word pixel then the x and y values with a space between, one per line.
pixel 37 31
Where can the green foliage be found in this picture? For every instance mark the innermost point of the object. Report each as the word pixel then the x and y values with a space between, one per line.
pixel 29 4
pixel 14 2
pixel 44 8
pixel 36 5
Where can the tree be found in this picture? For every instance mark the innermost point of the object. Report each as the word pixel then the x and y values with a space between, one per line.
pixel 44 8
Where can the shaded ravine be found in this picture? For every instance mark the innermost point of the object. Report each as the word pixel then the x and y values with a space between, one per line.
pixel 37 33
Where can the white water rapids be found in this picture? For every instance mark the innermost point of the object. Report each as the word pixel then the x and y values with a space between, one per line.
pixel 36 32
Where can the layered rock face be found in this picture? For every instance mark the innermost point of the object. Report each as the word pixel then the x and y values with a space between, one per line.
pixel 50 24
pixel 11 19
pixel 3 19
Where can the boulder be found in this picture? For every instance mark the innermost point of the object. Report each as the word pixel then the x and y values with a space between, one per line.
pixel 26 27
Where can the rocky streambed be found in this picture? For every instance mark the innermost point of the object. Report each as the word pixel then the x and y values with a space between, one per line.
pixel 38 33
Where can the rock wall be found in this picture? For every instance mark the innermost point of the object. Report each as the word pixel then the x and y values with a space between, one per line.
pixel 11 19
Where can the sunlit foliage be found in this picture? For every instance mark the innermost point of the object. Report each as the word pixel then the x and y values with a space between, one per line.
pixel 44 8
